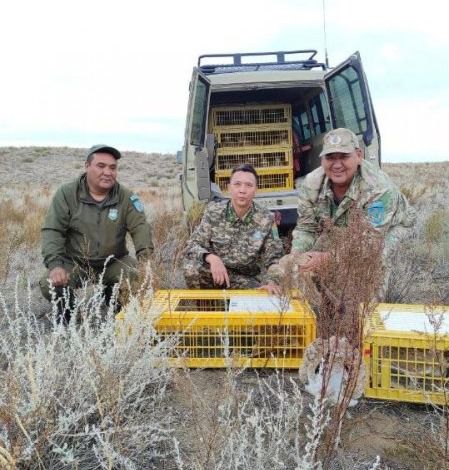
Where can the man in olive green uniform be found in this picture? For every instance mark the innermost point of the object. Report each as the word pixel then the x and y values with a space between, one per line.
pixel 236 241
pixel 345 180
pixel 86 224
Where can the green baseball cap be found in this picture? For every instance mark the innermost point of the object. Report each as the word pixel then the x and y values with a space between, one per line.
pixel 339 140
pixel 104 149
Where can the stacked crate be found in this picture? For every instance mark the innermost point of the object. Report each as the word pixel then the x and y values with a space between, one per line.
pixel 407 354
pixel 258 134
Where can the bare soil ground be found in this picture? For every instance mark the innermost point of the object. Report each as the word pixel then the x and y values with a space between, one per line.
pixel 391 430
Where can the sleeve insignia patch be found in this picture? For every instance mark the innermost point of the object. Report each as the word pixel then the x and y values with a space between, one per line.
pixel 136 202
pixel 376 213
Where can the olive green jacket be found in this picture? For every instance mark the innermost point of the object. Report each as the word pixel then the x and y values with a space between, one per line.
pixel 78 229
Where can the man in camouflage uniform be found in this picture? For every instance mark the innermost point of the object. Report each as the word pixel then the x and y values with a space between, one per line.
pixel 87 223
pixel 236 241
pixel 345 180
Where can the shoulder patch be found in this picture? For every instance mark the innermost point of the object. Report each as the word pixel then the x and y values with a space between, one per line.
pixel 136 202
pixel 274 231
pixel 376 213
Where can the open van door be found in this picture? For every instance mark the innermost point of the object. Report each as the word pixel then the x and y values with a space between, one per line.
pixel 351 105
pixel 195 175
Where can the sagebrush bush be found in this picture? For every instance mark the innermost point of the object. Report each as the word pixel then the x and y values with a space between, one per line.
pixel 83 397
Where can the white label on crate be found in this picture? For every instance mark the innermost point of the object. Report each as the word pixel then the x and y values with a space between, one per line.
pixel 416 321
pixel 259 304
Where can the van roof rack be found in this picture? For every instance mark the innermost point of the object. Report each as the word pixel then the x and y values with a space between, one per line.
pixel 281 60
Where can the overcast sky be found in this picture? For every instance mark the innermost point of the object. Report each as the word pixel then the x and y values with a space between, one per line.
pixel 75 73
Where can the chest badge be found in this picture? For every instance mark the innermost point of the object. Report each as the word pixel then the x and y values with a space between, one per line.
pixel 257 235
pixel 113 214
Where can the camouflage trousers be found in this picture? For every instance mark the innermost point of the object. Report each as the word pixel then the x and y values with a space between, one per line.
pixel 198 276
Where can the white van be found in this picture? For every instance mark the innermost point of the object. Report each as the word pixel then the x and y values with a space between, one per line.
pixel 270 109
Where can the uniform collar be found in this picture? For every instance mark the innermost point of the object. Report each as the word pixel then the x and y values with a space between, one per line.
pixel 232 217
pixel 84 195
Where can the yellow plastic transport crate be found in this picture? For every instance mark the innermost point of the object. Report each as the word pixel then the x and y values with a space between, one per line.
pixel 251 115
pixel 405 360
pixel 261 330
pixel 247 136
pixel 269 180
pixel 259 158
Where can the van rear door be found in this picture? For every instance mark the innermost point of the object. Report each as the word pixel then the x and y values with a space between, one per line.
pixel 351 105
pixel 196 179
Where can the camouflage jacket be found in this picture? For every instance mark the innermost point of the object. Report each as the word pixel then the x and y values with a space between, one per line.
pixel 248 246
pixel 78 229
pixel 371 190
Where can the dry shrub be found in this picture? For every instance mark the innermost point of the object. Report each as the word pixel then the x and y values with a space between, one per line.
pixel 170 236
pixel 33 212
pixel 261 426
pixel 21 227
pixel 420 262
pixel 11 213
pixel 82 397
pixel 351 277
pixel 194 215
pixel 436 226
pixel 413 193
pixel 343 294
pixel 11 238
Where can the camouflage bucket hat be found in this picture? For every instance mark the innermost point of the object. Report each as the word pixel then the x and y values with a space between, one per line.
pixel 339 140
pixel 104 149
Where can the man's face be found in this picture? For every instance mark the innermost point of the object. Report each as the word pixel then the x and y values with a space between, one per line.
pixel 101 172
pixel 242 188
pixel 340 168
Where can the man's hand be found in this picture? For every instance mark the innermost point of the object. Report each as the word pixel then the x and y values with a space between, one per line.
pixel 218 270
pixel 272 288
pixel 59 277
pixel 314 261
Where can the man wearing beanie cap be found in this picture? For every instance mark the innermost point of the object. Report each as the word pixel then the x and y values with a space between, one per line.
pixel 343 181
pixel 86 224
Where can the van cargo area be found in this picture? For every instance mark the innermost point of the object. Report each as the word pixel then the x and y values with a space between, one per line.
pixel 264 128
pixel 273 115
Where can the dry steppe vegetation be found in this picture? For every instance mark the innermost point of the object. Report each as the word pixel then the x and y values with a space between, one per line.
pixel 82 399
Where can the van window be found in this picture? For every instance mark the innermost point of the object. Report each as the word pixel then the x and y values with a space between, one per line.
pixel 320 114
pixel 348 101
pixel 301 123
pixel 305 126
pixel 198 131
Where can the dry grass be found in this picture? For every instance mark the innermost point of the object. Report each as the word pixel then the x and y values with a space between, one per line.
pixel 51 387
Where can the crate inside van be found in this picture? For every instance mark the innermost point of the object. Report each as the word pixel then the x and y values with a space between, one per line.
pixel 270 110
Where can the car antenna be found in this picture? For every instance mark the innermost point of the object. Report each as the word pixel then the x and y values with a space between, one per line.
pixel 325 38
